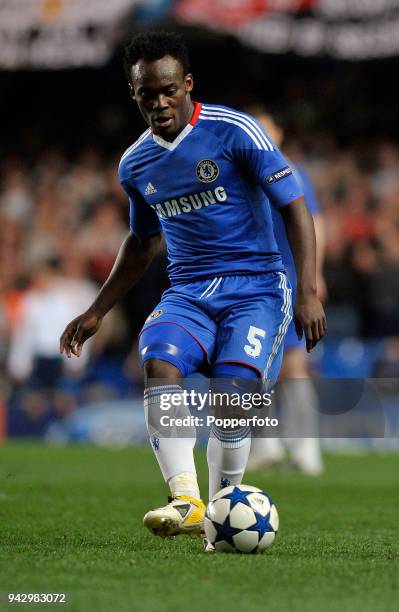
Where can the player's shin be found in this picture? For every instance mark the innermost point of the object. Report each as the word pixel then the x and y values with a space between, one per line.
pixel 228 445
pixel 299 403
pixel 172 446
pixel 227 455
pixel 265 452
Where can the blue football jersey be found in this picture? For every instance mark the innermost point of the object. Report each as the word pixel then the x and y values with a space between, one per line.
pixel 210 192
pixel 279 227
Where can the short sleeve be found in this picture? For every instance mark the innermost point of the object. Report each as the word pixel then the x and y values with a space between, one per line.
pixel 144 221
pixel 251 146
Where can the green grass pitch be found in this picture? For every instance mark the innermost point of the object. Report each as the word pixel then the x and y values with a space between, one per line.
pixel 70 521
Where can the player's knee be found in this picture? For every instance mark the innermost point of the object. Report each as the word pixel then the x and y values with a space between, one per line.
pixel 167 348
pixel 234 378
pixel 233 386
pixel 159 369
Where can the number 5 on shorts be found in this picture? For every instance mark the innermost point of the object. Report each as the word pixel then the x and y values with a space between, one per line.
pixel 255 346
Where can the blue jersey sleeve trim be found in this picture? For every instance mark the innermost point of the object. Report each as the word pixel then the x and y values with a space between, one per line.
pixel 146 234
pixel 291 201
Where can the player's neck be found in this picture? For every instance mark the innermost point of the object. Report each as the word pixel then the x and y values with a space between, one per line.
pixel 189 114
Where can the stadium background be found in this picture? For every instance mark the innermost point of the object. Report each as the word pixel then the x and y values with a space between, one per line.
pixel 327 68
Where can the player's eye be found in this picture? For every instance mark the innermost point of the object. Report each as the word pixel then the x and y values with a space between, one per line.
pixel 170 91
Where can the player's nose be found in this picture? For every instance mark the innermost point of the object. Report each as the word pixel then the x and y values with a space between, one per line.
pixel 160 103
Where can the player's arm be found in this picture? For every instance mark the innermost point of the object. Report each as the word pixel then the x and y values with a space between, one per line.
pixel 309 315
pixel 313 205
pixel 253 148
pixel 134 257
pixel 319 229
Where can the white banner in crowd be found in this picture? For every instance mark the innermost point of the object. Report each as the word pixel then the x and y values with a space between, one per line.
pixel 344 29
pixel 59 33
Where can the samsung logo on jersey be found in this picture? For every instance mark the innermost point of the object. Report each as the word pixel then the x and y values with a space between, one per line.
pixel 277 176
pixel 188 203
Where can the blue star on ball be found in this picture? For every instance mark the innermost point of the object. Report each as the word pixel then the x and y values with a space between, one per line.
pixel 225 532
pixel 262 524
pixel 238 496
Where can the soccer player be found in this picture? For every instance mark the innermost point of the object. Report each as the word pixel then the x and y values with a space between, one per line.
pixel 298 401
pixel 205 176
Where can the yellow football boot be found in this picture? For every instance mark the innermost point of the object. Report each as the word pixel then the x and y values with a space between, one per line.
pixel 182 515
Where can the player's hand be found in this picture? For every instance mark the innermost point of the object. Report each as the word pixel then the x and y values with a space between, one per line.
pixel 309 319
pixel 78 331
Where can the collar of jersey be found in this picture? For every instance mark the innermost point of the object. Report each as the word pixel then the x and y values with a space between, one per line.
pixel 171 146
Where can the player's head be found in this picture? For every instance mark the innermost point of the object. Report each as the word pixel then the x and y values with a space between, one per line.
pixel 157 69
pixel 270 121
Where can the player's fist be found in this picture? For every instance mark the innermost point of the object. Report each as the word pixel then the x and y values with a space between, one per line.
pixel 78 331
pixel 309 319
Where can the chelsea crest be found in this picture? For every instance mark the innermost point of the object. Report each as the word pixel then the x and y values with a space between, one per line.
pixel 207 171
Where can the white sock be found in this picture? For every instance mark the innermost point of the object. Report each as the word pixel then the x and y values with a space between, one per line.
pixel 227 456
pixel 306 454
pixel 299 413
pixel 184 484
pixel 174 454
pixel 267 450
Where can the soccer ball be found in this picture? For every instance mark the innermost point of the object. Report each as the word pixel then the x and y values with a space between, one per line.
pixel 242 519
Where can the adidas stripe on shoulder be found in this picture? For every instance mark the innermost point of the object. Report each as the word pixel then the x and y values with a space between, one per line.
pixel 241 120
pixel 136 144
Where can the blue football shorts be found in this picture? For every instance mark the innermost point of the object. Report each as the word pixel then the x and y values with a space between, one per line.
pixel 234 319
pixel 291 338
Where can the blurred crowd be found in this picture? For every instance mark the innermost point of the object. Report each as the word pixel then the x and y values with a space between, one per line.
pixel 359 196
pixel 61 224
pixel 63 219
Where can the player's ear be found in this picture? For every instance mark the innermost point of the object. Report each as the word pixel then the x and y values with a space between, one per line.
pixel 189 82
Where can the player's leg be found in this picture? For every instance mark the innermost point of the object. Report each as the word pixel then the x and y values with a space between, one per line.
pixel 173 452
pixel 185 509
pixel 299 410
pixel 169 351
pixel 257 312
pixel 267 451
pixel 228 448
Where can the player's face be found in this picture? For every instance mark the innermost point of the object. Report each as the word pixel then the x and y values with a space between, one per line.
pixel 162 93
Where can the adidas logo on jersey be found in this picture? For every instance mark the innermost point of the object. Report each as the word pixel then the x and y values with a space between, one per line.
pixel 150 189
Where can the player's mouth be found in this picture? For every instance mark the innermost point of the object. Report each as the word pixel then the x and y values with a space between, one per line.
pixel 162 121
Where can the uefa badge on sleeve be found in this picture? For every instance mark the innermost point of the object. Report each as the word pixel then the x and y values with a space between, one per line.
pixel 154 315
